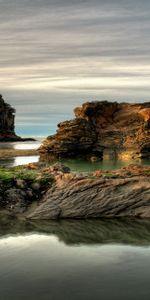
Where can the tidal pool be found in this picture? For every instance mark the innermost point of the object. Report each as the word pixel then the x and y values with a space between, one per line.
pixel 76 165
pixel 93 259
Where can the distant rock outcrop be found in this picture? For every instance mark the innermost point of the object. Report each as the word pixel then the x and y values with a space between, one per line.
pixel 7 116
pixel 103 129
pixel 7 122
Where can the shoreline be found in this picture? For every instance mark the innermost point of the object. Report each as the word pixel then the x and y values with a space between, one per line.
pixel 8 153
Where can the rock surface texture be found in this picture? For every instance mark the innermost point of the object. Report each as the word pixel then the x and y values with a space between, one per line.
pixel 103 129
pixel 53 192
pixel 82 196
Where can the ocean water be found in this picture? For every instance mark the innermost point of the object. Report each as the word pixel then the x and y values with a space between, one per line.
pixel 77 260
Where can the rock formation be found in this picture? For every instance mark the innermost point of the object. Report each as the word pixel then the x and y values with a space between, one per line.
pixel 55 193
pixel 124 193
pixel 7 116
pixel 7 123
pixel 103 129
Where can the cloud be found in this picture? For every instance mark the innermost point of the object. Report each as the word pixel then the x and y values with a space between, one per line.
pixel 63 51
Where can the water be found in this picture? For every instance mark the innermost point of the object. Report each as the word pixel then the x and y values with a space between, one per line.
pixel 20 160
pixel 85 166
pixel 21 145
pixel 77 165
pixel 94 259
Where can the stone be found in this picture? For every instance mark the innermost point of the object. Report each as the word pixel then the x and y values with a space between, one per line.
pixel 103 129
pixel 36 186
pixel 20 183
pixel 124 193
pixel 15 200
pixel 116 193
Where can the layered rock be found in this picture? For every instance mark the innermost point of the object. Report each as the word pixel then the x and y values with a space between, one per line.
pixel 124 193
pixel 56 193
pixel 117 130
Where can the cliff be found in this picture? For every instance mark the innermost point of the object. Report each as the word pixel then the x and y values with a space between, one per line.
pixel 103 129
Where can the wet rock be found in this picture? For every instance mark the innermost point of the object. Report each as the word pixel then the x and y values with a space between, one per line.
pixel 36 186
pixel 15 200
pixel 59 168
pixel 20 183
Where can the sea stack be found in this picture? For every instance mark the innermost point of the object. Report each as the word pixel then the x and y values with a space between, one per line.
pixel 7 123
pixel 103 129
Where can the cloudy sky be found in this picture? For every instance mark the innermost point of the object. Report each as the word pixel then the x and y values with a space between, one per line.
pixel 56 54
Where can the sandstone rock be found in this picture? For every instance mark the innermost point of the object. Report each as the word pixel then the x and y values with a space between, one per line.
pixel 123 193
pixel 96 198
pixel 74 138
pixel 108 129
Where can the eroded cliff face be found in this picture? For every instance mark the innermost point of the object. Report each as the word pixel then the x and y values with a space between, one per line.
pixel 102 129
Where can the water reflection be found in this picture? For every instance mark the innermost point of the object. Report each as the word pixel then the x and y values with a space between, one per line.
pixel 79 165
pixel 77 260
pixel 18 160
pixel 21 145
pixel 77 232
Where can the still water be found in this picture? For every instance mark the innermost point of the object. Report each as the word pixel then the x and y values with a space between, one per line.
pixel 94 259
pixel 73 164
pixel 21 145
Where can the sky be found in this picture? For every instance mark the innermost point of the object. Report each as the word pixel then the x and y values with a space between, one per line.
pixel 57 54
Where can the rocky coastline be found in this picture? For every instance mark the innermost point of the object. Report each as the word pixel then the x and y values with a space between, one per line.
pixel 36 192
pixel 103 129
